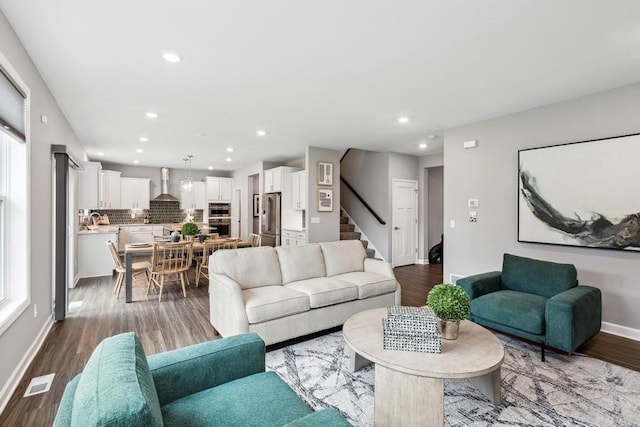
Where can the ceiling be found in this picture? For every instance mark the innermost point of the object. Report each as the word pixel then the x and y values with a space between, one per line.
pixel 331 73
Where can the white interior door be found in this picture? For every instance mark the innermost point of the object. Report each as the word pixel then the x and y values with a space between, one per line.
pixel 404 222
pixel 235 212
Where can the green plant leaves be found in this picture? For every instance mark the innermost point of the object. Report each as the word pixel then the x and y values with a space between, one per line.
pixel 449 302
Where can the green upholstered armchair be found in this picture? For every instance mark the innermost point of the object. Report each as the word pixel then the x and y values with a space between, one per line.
pixel 537 300
pixel 221 382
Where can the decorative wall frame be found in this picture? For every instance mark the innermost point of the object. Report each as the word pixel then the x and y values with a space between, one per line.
pixel 256 205
pixel 325 200
pixel 581 194
pixel 325 173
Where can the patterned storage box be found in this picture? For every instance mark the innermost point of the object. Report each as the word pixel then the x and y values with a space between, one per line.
pixel 411 329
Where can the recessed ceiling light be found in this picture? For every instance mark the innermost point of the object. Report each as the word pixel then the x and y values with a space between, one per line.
pixel 152 115
pixel 136 162
pixel 171 57
pixel 144 139
pixel 228 159
pixel 261 132
pixel 422 145
pixel 100 153
pixel 139 150
pixel 210 168
pixel 403 120
pixel 229 150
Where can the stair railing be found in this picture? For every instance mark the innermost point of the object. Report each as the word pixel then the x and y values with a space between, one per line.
pixel 358 196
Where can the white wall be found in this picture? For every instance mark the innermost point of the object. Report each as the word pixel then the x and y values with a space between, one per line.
pixel 328 229
pixel 16 341
pixel 489 173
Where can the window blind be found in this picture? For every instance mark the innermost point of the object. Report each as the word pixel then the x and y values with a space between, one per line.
pixel 12 108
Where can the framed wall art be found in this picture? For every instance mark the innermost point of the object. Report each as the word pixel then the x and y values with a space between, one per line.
pixel 581 194
pixel 325 200
pixel 325 173
pixel 256 205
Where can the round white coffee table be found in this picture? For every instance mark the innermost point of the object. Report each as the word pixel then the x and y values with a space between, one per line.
pixel 409 386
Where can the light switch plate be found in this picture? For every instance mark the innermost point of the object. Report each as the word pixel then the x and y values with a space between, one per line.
pixel 473 216
pixel 452 223
pixel 315 220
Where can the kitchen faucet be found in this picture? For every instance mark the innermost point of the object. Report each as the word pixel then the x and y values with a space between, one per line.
pixel 93 216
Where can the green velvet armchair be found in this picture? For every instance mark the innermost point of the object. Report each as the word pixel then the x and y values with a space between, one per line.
pixel 221 382
pixel 536 300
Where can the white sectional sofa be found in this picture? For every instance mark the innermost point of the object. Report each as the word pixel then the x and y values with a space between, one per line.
pixel 289 291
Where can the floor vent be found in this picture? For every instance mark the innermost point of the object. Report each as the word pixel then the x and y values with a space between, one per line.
pixel 39 385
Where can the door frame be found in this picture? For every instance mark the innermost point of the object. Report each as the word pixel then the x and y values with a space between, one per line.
pixel 236 212
pixel 415 218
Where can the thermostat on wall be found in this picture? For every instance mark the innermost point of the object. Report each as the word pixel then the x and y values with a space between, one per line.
pixel 473 203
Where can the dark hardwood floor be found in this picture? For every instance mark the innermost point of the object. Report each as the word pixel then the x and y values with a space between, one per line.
pixel 177 322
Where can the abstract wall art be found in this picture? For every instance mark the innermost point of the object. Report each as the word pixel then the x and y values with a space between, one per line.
pixel 581 194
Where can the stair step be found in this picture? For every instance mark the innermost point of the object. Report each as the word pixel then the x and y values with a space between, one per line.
pixel 344 220
pixel 365 243
pixel 370 253
pixel 350 235
pixel 347 227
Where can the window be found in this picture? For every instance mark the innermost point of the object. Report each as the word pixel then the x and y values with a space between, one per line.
pixel 14 196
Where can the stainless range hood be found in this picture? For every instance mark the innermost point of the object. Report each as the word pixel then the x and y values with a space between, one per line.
pixel 164 188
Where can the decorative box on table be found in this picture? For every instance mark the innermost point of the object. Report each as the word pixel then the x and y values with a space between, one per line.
pixel 411 329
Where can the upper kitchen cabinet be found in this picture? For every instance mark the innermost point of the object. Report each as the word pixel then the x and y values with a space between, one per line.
pixel 88 185
pixel 278 180
pixel 219 189
pixel 134 193
pixel 194 199
pixel 299 190
pixel 109 194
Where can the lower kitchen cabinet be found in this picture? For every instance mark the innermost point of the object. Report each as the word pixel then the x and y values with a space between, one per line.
pixel 94 257
pixel 293 238
pixel 138 234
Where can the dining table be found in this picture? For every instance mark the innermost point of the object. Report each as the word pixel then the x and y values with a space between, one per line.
pixel 134 250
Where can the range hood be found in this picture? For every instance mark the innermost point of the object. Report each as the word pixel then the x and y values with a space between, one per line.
pixel 164 188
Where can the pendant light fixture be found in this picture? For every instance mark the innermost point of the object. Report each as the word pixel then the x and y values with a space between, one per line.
pixel 187 182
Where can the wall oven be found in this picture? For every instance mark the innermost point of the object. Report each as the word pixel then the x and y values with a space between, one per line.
pixel 220 219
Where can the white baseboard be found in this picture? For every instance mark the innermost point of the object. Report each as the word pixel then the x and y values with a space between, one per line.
pixel 422 261
pixel 11 385
pixel 622 331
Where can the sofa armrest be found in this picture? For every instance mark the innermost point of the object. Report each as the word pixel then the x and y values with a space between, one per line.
pixel 188 370
pixel 324 417
pixel 572 317
pixel 481 284
pixel 227 310
pixel 378 266
pixel 65 408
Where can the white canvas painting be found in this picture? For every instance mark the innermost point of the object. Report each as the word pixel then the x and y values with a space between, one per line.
pixel 581 194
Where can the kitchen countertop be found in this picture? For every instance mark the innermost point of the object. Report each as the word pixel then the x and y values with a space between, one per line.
pixel 114 228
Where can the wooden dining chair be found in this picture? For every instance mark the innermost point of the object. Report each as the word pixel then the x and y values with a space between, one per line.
pixel 168 259
pixel 230 244
pixel 136 267
pixel 202 263
pixel 254 239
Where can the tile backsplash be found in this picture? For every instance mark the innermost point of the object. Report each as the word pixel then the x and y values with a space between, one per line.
pixel 159 212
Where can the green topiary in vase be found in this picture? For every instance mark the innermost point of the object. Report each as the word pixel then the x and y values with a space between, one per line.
pixel 451 304
pixel 189 229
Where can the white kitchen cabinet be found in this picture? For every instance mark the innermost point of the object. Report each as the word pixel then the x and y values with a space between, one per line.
pixel 293 238
pixel 94 257
pixel 88 185
pixel 134 193
pixel 219 189
pixel 109 193
pixel 137 234
pixel 299 190
pixel 194 199
pixel 273 180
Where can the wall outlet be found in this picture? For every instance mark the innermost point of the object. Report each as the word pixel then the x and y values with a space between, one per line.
pixel 35 310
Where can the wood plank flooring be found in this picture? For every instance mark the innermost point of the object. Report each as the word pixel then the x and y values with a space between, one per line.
pixel 177 322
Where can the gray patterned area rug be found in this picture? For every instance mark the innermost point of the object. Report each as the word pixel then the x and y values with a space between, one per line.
pixel 563 391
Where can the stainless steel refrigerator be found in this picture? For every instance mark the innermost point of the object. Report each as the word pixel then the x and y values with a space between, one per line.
pixel 270 219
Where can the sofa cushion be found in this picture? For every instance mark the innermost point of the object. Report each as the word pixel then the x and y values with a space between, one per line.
pixel 343 256
pixel 301 262
pixel 257 400
pixel 116 384
pixel 250 267
pixel 517 310
pixel 369 284
pixel 538 277
pixel 272 302
pixel 325 291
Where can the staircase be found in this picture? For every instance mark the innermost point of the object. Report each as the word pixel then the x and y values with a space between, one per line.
pixel 347 232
